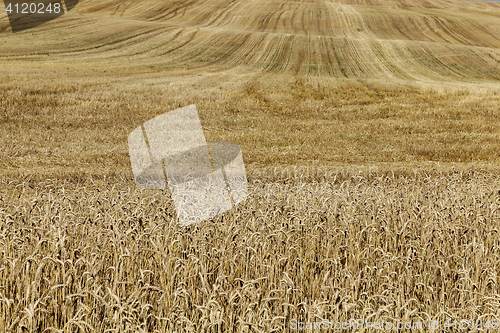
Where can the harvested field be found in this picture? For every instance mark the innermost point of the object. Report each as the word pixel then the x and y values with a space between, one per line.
pixel 383 40
pixel 370 135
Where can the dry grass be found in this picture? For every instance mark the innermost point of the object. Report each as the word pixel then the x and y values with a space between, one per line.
pixel 105 256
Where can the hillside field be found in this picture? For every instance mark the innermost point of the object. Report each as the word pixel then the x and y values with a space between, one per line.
pixel 370 134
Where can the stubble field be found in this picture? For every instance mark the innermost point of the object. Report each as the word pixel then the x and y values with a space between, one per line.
pixel 369 131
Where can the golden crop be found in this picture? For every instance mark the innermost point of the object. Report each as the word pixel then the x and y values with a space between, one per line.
pixel 369 130
pixel 103 255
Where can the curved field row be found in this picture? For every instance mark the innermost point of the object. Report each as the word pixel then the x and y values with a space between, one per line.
pixel 414 40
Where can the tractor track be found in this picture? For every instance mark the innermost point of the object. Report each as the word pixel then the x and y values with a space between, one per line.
pixel 405 40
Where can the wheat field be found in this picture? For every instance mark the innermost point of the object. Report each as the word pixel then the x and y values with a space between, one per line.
pixel 370 135
pixel 105 256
